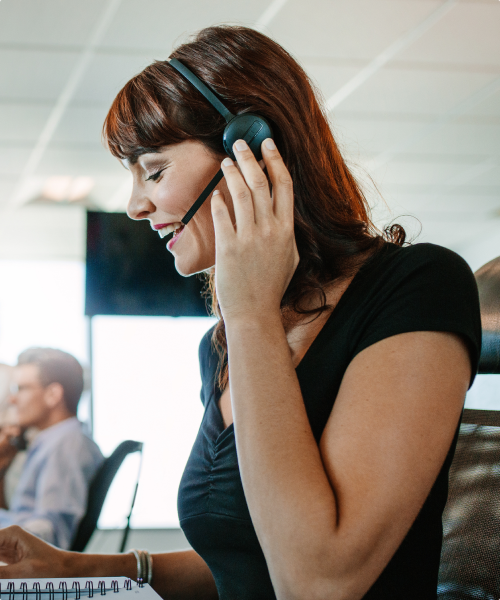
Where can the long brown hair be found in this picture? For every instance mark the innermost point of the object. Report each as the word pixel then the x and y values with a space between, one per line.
pixel 252 73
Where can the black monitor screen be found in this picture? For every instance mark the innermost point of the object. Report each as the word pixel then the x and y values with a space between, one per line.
pixel 130 272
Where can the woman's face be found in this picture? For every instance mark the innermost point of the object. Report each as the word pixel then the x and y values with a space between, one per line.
pixel 165 185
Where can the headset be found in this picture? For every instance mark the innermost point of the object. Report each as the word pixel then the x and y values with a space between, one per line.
pixel 249 127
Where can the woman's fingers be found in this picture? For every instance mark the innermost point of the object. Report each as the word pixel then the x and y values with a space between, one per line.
pixel 281 181
pixel 241 195
pixel 223 225
pixel 250 188
pixel 255 180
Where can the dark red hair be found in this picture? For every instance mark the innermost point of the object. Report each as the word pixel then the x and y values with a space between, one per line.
pixel 252 73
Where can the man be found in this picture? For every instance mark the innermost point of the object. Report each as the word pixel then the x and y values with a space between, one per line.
pixel 51 496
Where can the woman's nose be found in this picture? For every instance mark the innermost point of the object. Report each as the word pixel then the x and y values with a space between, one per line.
pixel 139 206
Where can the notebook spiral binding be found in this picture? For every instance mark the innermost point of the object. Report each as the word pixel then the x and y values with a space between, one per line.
pixel 75 591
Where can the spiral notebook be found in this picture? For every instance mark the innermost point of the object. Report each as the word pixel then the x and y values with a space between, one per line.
pixel 76 588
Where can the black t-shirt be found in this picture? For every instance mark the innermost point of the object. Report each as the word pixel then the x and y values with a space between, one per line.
pixel 417 288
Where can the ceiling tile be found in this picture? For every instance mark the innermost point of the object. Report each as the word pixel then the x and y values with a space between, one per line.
pixel 489 107
pixel 34 76
pixel 491 177
pixel 347 28
pixel 53 22
pixel 163 24
pixel 7 188
pixel 105 77
pixel 460 138
pixel 92 161
pixel 22 123
pixel 13 160
pixel 445 203
pixel 468 34
pixel 363 136
pixel 80 125
pixel 420 92
pixel 417 173
pixel 329 79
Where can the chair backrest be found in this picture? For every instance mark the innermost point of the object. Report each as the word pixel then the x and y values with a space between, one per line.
pixel 470 559
pixel 488 283
pixel 98 490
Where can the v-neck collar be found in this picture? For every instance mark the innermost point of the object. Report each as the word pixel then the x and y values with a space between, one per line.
pixel 337 310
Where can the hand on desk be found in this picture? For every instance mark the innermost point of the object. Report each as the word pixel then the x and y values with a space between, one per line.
pixel 28 556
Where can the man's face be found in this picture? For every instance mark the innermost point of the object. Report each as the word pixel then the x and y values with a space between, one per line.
pixel 29 396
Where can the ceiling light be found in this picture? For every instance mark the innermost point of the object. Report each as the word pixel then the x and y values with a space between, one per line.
pixel 56 188
pixel 63 188
pixel 79 188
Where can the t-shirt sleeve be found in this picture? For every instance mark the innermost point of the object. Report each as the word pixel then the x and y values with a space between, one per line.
pixel 425 288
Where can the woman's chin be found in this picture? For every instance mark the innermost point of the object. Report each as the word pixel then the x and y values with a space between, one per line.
pixel 186 268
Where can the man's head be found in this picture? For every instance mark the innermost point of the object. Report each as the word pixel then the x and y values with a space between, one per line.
pixel 48 384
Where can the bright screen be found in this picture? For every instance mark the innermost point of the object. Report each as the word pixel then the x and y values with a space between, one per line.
pixel 147 388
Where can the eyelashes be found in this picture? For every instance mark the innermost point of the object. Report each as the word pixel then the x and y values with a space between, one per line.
pixel 155 176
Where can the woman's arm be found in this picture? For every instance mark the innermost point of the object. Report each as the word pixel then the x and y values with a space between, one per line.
pixel 330 518
pixel 176 575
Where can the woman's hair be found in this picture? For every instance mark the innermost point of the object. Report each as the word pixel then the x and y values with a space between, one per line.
pixel 252 73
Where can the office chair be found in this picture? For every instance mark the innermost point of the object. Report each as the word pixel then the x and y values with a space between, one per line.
pixel 470 558
pixel 97 494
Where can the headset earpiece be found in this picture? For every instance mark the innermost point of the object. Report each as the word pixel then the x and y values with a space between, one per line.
pixel 251 128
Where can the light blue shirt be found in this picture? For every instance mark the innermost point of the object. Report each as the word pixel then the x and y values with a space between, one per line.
pixel 51 496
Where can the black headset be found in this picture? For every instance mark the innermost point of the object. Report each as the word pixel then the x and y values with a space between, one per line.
pixel 249 127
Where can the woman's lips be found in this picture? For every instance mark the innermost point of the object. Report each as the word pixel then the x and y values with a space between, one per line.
pixel 169 228
pixel 175 238
pixel 161 226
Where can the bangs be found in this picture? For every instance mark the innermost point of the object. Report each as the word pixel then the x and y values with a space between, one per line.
pixel 142 118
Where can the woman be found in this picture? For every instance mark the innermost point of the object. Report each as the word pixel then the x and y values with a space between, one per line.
pixel 335 378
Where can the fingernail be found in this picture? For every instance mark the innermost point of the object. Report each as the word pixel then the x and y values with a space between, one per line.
pixel 270 145
pixel 216 192
pixel 241 145
pixel 227 162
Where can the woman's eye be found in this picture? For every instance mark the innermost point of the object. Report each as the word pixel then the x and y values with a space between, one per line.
pixel 155 176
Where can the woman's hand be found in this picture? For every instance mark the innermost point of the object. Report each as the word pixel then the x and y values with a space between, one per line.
pixel 256 257
pixel 28 556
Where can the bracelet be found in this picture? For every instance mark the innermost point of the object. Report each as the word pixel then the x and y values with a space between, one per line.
pixel 149 560
pixel 139 566
pixel 144 565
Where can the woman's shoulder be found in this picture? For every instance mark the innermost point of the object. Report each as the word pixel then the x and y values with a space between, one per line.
pixel 434 267
pixel 423 254
pixel 422 287
pixel 425 274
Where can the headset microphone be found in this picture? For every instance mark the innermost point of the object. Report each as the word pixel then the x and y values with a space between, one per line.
pixel 247 126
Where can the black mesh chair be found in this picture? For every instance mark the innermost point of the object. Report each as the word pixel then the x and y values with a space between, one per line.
pixel 470 559
pixel 97 493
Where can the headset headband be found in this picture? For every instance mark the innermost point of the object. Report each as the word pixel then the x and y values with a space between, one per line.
pixel 202 88
pixel 249 127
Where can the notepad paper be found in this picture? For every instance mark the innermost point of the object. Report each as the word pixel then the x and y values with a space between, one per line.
pixel 75 588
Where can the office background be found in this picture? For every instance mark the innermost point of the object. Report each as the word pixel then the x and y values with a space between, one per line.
pixel 413 93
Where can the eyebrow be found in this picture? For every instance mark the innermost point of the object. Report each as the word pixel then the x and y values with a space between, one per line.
pixel 135 157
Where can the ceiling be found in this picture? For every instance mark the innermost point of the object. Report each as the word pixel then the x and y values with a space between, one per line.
pixel 413 88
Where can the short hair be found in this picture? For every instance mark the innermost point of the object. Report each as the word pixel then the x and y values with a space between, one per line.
pixel 57 366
